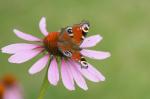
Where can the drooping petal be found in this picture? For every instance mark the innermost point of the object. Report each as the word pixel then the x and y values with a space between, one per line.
pixel 90 73
pixel 95 54
pixel 53 73
pixel 39 65
pixel 91 41
pixel 24 56
pixel 14 48
pixel 42 26
pixel 98 74
pixel 25 36
pixel 67 77
pixel 78 76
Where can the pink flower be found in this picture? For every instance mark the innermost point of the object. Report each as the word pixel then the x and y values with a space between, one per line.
pixel 10 89
pixel 71 71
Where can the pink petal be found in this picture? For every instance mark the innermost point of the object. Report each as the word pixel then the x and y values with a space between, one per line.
pixel 25 36
pixel 24 56
pixel 91 41
pixel 90 73
pixel 77 76
pixel 95 54
pixel 39 65
pixel 53 73
pixel 14 48
pixel 42 26
pixel 67 77
pixel 96 72
pixel 13 93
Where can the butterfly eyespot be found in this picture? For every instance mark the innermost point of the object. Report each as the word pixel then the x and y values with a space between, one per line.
pixel 67 53
pixel 69 30
pixel 84 64
pixel 85 28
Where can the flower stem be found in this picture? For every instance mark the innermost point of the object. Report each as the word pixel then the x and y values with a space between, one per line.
pixel 43 89
pixel 45 85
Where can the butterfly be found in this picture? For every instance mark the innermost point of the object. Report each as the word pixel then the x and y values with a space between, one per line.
pixel 67 42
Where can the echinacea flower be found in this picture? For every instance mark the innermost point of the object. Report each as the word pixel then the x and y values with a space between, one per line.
pixel 10 88
pixel 71 71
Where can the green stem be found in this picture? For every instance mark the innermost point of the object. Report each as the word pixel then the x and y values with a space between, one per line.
pixel 45 85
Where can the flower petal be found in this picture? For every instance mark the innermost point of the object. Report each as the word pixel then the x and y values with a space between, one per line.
pixel 67 77
pixel 25 36
pixel 95 54
pixel 42 26
pixel 13 93
pixel 24 56
pixel 90 73
pixel 14 48
pixel 39 65
pixel 91 41
pixel 78 76
pixel 53 73
pixel 98 74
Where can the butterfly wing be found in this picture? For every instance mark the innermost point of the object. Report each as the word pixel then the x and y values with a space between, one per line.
pixel 79 32
pixel 69 41
pixel 74 54
pixel 67 46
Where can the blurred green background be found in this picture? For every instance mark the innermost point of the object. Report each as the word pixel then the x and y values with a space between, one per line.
pixel 124 25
